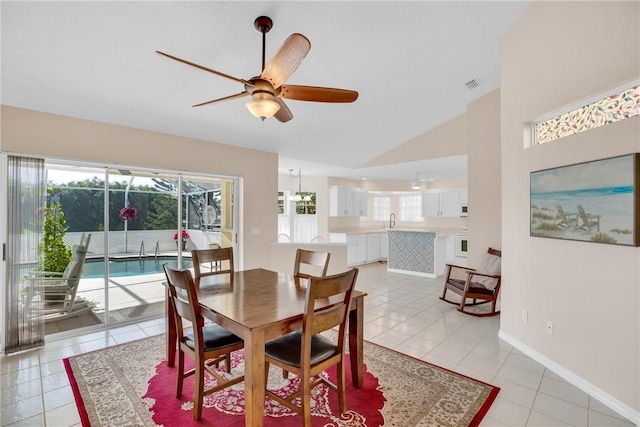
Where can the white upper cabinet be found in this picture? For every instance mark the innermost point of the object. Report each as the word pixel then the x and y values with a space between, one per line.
pixel 444 202
pixel 360 202
pixel 431 203
pixel 347 201
pixel 340 201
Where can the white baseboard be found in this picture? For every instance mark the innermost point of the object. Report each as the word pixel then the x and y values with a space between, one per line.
pixel 411 273
pixel 577 381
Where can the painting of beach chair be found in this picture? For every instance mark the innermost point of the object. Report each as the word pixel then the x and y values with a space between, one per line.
pixel 588 220
pixel 58 290
pixel 595 201
pixel 566 219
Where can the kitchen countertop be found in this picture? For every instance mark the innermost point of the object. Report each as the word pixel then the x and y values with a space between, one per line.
pixel 368 230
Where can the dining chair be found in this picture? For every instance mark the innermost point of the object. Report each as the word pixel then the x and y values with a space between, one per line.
pixel 307 352
pixel 206 345
pixel 208 262
pixel 308 262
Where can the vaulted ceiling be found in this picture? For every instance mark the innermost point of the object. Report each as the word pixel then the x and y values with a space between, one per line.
pixel 409 61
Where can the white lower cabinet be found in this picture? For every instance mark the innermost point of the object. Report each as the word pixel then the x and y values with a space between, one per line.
pixel 351 249
pixel 384 246
pixel 362 247
pixel 373 247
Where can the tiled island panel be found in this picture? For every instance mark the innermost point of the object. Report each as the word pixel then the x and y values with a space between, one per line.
pixel 416 252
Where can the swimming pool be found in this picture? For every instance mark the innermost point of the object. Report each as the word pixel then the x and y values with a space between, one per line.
pixel 119 267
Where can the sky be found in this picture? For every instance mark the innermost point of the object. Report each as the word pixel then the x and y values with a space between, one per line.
pixel 613 172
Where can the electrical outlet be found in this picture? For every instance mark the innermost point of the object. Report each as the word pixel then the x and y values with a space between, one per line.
pixel 525 316
pixel 549 327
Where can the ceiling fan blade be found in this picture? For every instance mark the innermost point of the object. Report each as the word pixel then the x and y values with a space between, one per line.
pixel 286 60
pixel 317 94
pixel 226 98
pixel 284 114
pixel 184 61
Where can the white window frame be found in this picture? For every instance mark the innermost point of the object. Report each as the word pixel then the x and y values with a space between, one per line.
pixel 576 106
pixel 411 212
pixel 381 208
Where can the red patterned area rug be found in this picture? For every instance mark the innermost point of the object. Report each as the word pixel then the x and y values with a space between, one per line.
pixel 131 385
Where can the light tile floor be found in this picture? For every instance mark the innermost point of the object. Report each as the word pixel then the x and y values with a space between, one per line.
pixel 401 312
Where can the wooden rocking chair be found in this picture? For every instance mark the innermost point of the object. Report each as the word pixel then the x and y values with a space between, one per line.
pixel 481 284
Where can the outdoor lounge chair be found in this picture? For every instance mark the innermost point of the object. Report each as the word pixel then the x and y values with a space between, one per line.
pixel 566 220
pixel 588 220
pixel 57 291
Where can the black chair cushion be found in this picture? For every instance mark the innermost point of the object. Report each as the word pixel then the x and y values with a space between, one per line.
pixel 286 348
pixel 215 337
pixel 476 288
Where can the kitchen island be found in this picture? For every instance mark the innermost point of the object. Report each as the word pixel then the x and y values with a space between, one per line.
pixel 416 252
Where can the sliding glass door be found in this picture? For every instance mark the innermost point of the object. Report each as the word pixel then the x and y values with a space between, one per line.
pixel 136 220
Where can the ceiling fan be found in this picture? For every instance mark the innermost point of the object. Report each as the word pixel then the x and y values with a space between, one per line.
pixel 268 89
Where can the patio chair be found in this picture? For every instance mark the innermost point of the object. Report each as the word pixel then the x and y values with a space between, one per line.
pixel 566 220
pixel 588 220
pixel 58 290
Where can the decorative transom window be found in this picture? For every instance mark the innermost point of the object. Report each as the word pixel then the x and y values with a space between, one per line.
pixel 619 105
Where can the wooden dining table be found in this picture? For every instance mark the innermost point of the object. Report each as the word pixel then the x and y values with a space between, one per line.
pixel 258 305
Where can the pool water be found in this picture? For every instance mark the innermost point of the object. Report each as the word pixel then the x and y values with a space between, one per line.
pixel 131 266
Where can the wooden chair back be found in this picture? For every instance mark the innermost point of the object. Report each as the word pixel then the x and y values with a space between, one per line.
pixel 219 344
pixel 184 302
pixel 208 262
pixel 295 354
pixel 308 260
pixel 321 289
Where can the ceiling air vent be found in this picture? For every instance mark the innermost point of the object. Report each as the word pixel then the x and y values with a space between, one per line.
pixel 472 84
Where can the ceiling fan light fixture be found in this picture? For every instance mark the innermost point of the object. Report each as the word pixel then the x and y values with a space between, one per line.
pixel 416 185
pixel 263 108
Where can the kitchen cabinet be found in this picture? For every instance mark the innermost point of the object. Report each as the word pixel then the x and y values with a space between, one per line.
pixel 351 249
pixel 373 247
pixel 361 247
pixel 443 202
pixel 356 249
pixel 340 201
pixel 384 246
pixel 360 202
pixel 347 201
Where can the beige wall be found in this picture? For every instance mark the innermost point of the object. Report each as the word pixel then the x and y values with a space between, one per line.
pixel 48 135
pixel 485 181
pixel 556 54
pixel 448 139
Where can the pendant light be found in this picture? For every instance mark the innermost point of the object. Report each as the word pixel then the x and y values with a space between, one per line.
pixel 298 196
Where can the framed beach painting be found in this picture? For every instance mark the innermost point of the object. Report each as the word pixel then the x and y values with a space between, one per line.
pixel 595 201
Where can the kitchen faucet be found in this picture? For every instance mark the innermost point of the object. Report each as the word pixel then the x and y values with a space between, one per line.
pixel 392 220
